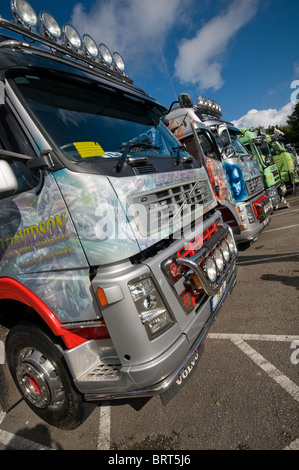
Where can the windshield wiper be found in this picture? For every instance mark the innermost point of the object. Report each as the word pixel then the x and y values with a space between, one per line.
pixel 129 146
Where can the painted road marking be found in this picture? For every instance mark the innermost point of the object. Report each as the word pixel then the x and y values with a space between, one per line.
pixel 104 428
pixel 284 213
pixel 273 258
pixel 293 446
pixel 265 365
pixel 18 442
pixel 282 228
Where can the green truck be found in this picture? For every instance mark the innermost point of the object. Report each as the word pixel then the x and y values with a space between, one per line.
pixel 258 146
pixel 284 160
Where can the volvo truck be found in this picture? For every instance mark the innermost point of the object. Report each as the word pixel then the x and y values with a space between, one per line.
pixel 114 259
pixel 235 176
pixel 257 145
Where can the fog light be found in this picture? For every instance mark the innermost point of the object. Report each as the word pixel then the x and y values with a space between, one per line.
pixel 225 250
pixel 211 269
pixel 219 260
pixel 231 243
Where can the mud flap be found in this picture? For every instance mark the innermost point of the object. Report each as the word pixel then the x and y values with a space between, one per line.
pixel 182 377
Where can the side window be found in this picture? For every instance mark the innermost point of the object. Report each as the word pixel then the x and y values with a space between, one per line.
pixel 12 138
pixel 208 146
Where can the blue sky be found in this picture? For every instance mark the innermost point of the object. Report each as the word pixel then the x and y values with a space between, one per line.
pixel 244 54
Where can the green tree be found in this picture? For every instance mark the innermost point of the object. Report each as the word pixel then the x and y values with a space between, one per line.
pixel 292 128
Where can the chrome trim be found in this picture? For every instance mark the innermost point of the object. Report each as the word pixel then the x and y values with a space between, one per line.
pixel 194 261
pixel 169 381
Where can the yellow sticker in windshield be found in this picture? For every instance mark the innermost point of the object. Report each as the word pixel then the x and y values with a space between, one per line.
pixel 89 149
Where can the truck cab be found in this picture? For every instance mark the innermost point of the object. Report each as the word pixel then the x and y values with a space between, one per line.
pixel 284 160
pixel 235 176
pixel 257 146
pixel 114 259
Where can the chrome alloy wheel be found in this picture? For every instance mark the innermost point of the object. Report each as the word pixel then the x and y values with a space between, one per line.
pixel 39 380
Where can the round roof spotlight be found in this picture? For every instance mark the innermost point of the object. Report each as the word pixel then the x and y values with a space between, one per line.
pixel 219 260
pixel 49 26
pixel 23 13
pixel 106 54
pixel 211 269
pixel 90 46
pixel 119 63
pixel 72 37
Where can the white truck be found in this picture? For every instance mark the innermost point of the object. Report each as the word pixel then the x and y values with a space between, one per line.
pixel 113 258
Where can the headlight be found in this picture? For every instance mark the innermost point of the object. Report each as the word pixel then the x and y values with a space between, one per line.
pixel 211 269
pixel 150 306
pixel 250 214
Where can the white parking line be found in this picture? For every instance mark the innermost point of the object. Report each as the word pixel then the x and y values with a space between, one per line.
pixel 104 428
pixel 293 446
pixel 258 260
pixel 269 368
pixel 283 213
pixel 18 442
pixel 282 228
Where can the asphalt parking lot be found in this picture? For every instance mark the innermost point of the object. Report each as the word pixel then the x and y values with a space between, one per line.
pixel 244 393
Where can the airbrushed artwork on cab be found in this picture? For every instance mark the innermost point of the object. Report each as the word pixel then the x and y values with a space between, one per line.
pixel 40 249
pixel 238 172
pixel 105 222
pixel 219 180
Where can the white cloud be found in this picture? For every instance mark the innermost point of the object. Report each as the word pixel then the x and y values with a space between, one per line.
pixel 201 58
pixel 266 117
pixel 132 27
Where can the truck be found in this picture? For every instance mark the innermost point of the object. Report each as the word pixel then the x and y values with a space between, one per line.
pixel 284 160
pixel 257 145
pixel 235 176
pixel 114 260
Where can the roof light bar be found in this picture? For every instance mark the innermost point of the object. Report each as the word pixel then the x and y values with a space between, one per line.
pixel 106 54
pixel 23 13
pixel 72 37
pixel 208 106
pixel 90 47
pixel 49 26
pixel 118 61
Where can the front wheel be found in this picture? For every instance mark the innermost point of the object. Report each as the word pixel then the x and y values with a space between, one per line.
pixel 36 366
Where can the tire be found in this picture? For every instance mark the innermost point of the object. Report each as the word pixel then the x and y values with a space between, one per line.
pixel 36 365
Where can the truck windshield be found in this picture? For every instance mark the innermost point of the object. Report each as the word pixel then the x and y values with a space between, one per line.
pixel 265 154
pixel 239 149
pixel 86 119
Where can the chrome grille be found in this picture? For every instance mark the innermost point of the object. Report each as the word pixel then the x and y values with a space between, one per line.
pixel 254 185
pixel 161 207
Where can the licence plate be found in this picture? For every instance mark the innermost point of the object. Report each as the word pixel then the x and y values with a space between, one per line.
pixel 266 221
pixel 216 299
